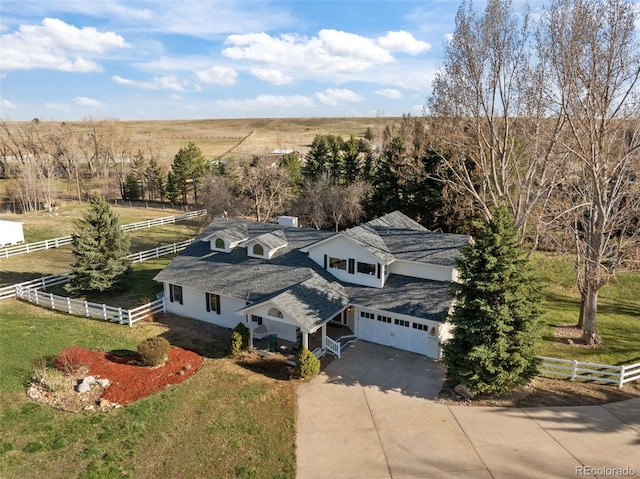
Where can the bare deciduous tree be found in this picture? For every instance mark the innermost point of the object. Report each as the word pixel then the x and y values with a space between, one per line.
pixel 327 204
pixel 489 113
pixel 266 186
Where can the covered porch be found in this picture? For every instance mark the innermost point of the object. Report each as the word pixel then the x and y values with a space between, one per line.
pixel 329 337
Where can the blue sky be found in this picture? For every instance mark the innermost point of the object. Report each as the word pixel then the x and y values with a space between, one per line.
pixel 183 59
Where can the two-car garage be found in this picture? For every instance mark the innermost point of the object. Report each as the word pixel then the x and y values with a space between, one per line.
pixel 409 334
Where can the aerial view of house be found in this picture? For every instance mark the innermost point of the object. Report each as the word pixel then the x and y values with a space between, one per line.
pixel 384 281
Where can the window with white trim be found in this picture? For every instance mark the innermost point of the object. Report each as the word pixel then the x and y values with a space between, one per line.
pixel 258 250
pixel 213 302
pixel 364 314
pixel 366 268
pixel 175 293
pixel 421 327
pixel 220 243
pixel 402 322
pixel 385 319
pixel 338 263
pixel 256 319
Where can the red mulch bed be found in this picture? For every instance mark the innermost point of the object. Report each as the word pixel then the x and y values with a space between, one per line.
pixel 130 381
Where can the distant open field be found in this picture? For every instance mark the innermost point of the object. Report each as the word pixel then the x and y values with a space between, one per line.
pixel 243 138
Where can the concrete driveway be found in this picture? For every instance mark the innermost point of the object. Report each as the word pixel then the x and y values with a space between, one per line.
pixel 370 415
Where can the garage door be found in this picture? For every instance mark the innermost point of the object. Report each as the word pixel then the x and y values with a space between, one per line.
pixel 397 333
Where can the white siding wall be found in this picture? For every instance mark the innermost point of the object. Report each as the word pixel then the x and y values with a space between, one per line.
pixel 423 270
pixel 194 306
pixel 11 232
pixel 341 247
pixel 284 327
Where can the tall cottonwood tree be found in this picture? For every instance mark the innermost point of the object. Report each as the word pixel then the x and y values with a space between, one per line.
pixel 488 112
pixel 592 57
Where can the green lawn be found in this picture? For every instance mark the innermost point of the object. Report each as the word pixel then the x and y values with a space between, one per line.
pixel 225 421
pixel 24 267
pixel 618 313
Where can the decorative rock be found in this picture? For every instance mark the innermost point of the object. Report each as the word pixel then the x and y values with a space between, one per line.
pixel 89 380
pixel 83 387
pixel 104 403
pixel 103 382
pixel 464 391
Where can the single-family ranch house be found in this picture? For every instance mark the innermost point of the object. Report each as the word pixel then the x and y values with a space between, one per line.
pixel 385 280
pixel 11 232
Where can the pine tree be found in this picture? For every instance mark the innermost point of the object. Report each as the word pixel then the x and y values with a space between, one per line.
pixel 495 319
pixel 99 248
pixel 317 159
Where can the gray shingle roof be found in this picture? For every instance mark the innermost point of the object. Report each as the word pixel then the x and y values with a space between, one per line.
pixel 274 240
pixel 313 301
pixel 303 288
pixel 233 234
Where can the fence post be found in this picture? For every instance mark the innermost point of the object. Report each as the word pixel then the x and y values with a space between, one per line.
pixel 120 315
pixel 104 309
pixel 574 366
pixel 129 317
pixel 53 304
pixel 37 299
pixel 86 309
pixel 621 377
pixel 69 304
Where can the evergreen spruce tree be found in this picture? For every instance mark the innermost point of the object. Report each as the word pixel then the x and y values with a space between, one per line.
pixel 99 248
pixel 317 159
pixel 495 319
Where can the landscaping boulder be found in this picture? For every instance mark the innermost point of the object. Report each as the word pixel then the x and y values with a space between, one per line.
pixel 464 391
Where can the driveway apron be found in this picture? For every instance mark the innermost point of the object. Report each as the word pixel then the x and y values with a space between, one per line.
pixel 371 414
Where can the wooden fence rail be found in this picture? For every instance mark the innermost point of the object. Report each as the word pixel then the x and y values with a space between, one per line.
pixel 65 240
pixel 574 369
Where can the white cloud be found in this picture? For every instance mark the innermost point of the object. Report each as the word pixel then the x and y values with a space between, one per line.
pixel 268 101
pixel 85 101
pixel 218 74
pixel 330 52
pixel 275 77
pixel 390 93
pixel 56 45
pixel 158 83
pixel 8 104
pixel 403 42
pixel 57 107
pixel 335 96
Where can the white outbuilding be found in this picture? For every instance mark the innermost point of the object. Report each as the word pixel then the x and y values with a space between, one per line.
pixel 11 232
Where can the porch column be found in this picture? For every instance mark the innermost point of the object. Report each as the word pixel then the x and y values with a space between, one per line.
pixel 324 334
pixel 250 331
pixel 305 340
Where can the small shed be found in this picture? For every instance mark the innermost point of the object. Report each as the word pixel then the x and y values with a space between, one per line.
pixel 11 232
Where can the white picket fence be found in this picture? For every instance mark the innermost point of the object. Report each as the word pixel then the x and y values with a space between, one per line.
pixel 574 369
pixel 33 292
pixel 91 310
pixel 65 240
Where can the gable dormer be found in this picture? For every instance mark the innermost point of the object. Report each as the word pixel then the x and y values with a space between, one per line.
pixel 227 239
pixel 265 245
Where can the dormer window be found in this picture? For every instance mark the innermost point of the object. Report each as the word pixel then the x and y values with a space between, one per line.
pixel 220 243
pixel 276 313
pixel 258 250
